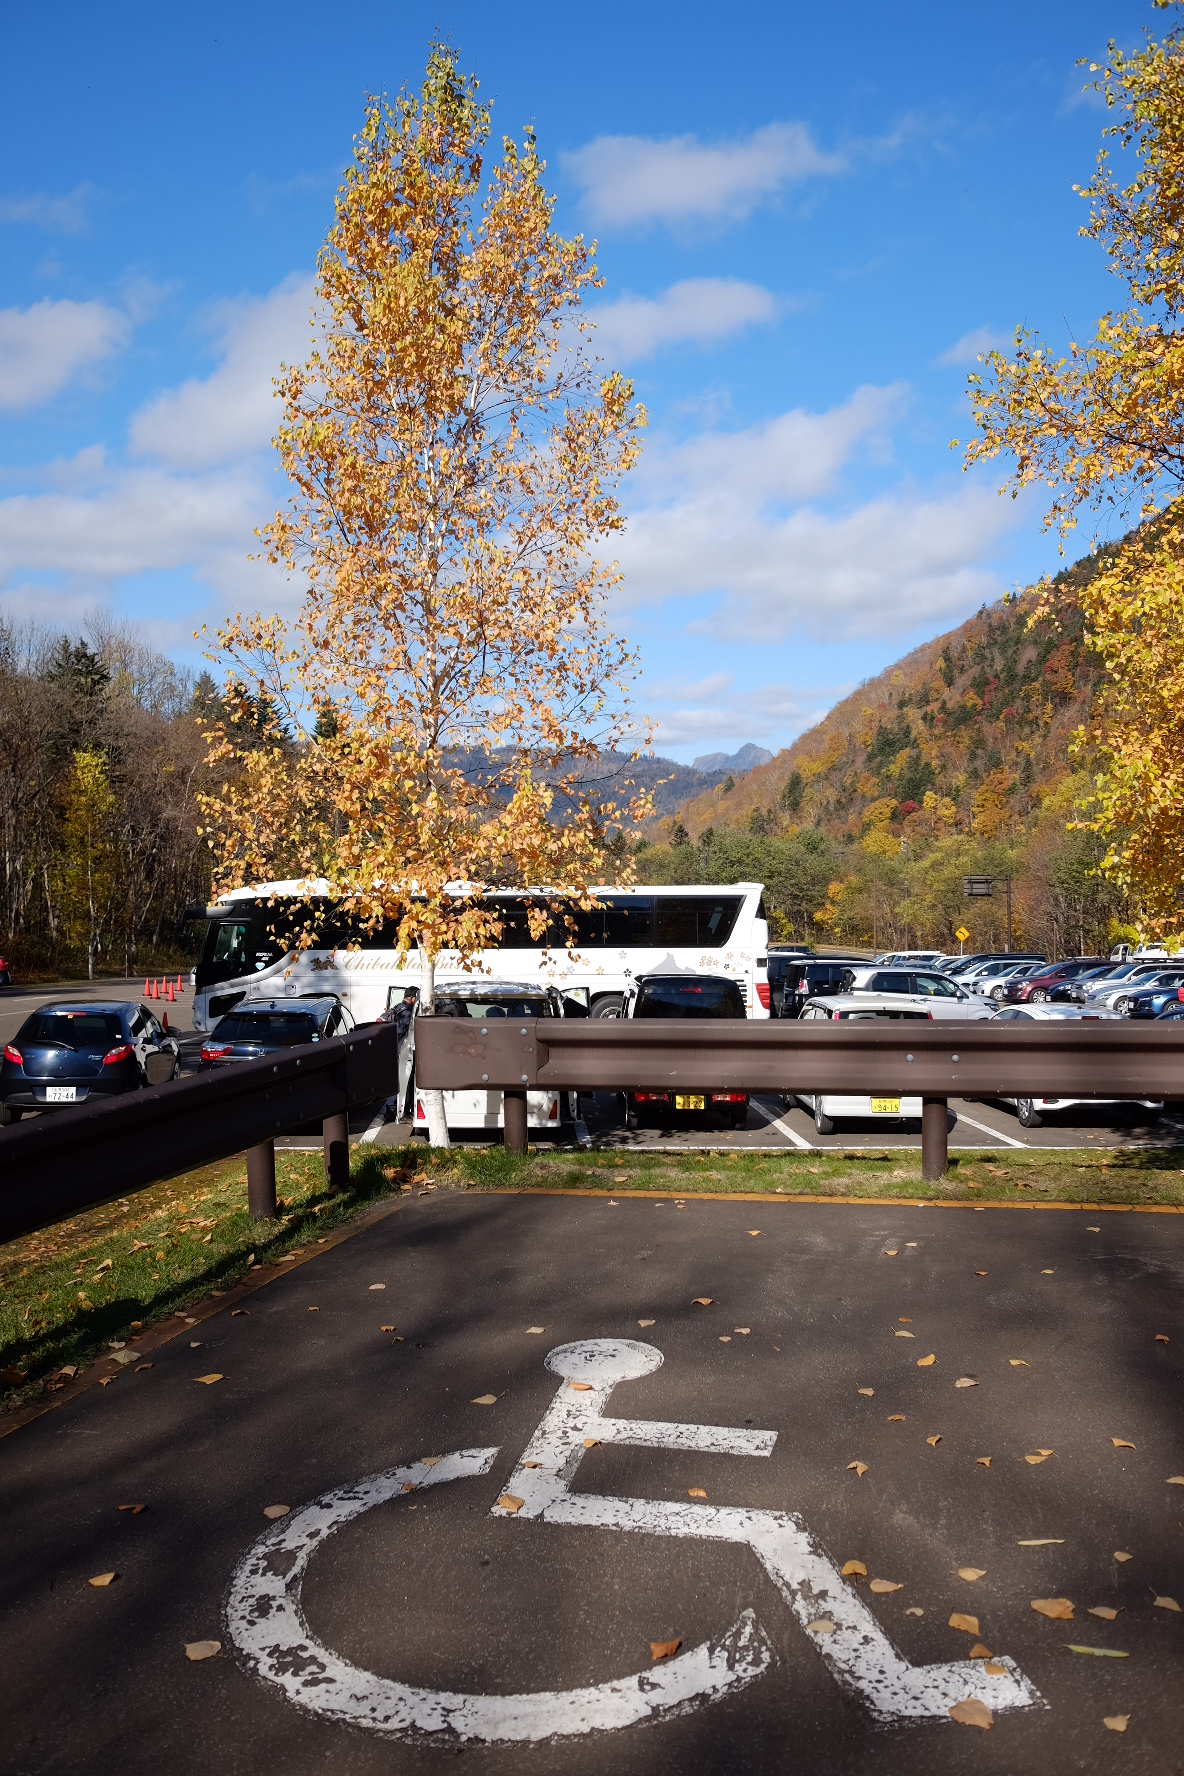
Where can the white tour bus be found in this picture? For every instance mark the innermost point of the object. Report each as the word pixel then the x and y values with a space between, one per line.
pixel 248 952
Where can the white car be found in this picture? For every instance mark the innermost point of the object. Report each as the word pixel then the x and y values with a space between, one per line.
pixel 829 1107
pixel 992 981
pixel 1116 994
pixel 1030 1110
pixel 923 988
pixel 484 1000
pixel 913 959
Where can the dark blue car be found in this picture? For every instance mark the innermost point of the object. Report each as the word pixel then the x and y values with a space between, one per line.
pixel 1155 1003
pixel 72 1053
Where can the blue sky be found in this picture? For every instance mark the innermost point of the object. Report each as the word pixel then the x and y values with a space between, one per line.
pixel 809 219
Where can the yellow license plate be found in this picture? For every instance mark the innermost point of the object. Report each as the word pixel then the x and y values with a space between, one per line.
pixel 886 1106
pixel 688 1101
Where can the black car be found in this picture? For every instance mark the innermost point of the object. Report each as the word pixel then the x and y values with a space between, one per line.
pixel 684 996
pixel 815 977
pixel 75 1053
pixel 783 960
pixel 267 1026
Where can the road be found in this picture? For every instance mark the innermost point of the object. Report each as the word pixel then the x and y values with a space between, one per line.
pixel 770 1124
pixel 1054 1318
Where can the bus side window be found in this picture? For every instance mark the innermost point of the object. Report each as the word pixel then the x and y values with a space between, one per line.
pixel 627 922
pixel 696 921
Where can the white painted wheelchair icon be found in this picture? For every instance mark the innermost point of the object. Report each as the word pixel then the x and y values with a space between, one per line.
pixel 266 1624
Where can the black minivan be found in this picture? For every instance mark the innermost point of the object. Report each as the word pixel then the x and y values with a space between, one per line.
pixel 684 996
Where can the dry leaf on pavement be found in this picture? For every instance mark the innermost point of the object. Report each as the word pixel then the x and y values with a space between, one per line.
pixel 536 1328
pixel 965 1624
pixel 374 1286
pixel 934 1440
pixel 914 1612
pixel 966 1381
pixel 1048 1273
pixel 234 1314
pixel 854 1569
pixel 647 1322
pixel 134 1509
pixel 972 1713
pixel 900 1334
pixel 1040 1451
pixel 822 1626
pixel 663 1649
pixel 1168 1603
pixel 1034 1461
pixel 868 1393
pixel 202 1649
pixel 140 1367
pixel 1092 1652
pixel 881 1587
pixel 742 1330
pixel 1161 1338
pixel 484 1400
pixel 1053 1542
pixel 209 1380
pixel 1119 1555
pixel 970 1573
pixel 274 1511
pixel 896 1418
pixel 982 1461
pixel 102 1580
pixel 1176 1480
pixel 1017 1362
pixel 891 1251
pixel 579 1387
pixel 754 1233
pixel 1116 1722
pixel 926 1362
pixel 859 1467
pixel 702 1301
pixel 1057 1609
pixel 1104 1611
pixel 725 1338
pixel 591 1442
pixel 980 1273
pixel 1121 1443
pixel 979 1651
pixel 905 1320
pixel 696 1492
pixel 508 1502
pixel 993 1670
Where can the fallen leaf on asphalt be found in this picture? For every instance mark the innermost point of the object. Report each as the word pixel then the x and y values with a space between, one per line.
pixel 1161 1338
pixel 899 1334
pixel 486 1400
pixel 274 1511
pixel 822 1626
pixel 234 1313
pixel 1175 1480
pixel 1017 1363
pixel 529 1328
pixel 926 1362
pixel 134 1509
pixel 1053 1542
pixel 1096 1652
pixel 869 1393
pixel 993 1670
pixel 966 1381
pixel 1119 1555
pixel 202 1649
pixel 979 1651
pixel 891 1252
pixel 140 1366
pixel 591 1442
pixel 754 1233
pixel 914 1612
pixel 70 1369
pixel 647 1322
pixel 381 1328
pixel 194 1345
pixel 904 1320
pixel 525 1464
pixel 1048 1273
pixel 982 1461
pixel 896 1418
pixel 980 1273
pixel 1057 1609
pixel 663 1649
pixel 964 1624
pixel 1040 1451
pixel 102 1580
pixel 972 1713
pixel 580 1387
pixel 1121 1443
pixel 1104 1611
pixel 934 1440
pixel 410 1486
pixel 430 1461
pixel 860 1468
pixel 1093 1230
pixel 1116 1722
pixel 509 1502
pixel 725 1338
pixel 1034 1461
pixel 696 1492
pixel 970 1573
pixel 742 1330
pixel 374 1286
pixel 209 1380
pixel 881 1587
pixel 702 1301
pixel 1168 1603
pixel 854 1569
pixel 106 1380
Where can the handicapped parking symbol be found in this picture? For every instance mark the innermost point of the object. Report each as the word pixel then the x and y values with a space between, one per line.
pixel 266 1623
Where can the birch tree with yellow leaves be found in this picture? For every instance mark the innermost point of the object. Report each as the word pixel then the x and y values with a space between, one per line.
pixel 1102 426
pixel 435 712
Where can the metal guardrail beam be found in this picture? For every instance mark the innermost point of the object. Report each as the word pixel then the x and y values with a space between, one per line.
pixel 57 1164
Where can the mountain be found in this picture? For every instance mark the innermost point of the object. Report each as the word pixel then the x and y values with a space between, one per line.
pixel 746 759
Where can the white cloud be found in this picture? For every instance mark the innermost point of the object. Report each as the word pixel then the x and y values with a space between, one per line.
pixel 773 712
pixel 966 350
pixel 697 311
pixel 52 215
pixel 233 412
pixel 628 180
pixel 42 347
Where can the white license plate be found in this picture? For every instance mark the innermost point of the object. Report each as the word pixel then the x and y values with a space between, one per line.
pixel 886 1106
pixel 688 1101
pixel 61 1094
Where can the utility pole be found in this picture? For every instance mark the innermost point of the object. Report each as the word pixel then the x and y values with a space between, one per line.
pixel 904 847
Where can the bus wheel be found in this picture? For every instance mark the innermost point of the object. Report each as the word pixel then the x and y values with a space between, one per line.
pixel 608 1006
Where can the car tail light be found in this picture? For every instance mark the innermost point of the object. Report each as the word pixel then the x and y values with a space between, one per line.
pixel 553 1112
pixel 123 1053
pixel 421 1114
pixel 762 993
pixel 214 1051
pixel 729 1097
pixel 1179 995
pixel 802 985
pixel 14 1054
pixel 651 1097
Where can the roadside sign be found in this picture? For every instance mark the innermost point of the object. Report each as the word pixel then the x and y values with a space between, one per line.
pixel 978 887
pixel 961 934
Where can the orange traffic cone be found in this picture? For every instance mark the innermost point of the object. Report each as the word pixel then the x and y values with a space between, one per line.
pixel 155 990
pixel 179 988
pixel 172 995
pixel 147 989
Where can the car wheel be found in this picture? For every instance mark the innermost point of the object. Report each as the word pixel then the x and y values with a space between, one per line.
pixel 740 1118
pixel 609 1006
pixel 8 1115
pixel 1039 995
pixel 824 1124
pixel 1026 1114
pixel 632 1119
pixel 1122 1006
pixel 997 994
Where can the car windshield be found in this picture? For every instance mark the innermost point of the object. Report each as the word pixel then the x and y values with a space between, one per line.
pixel 73 1029
pixel 935 986
pixel 282 1029
pixel 478 1006
pixel 689 999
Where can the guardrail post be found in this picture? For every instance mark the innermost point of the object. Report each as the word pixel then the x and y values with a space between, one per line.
pixel 934 1139
pixel 335 1138
pixel 261 1203
pixel 514 1121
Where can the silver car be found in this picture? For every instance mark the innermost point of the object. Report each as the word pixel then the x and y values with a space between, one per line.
pixel 924 989
pixel 1029 1111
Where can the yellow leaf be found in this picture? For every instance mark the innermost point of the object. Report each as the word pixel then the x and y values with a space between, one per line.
pixel 890 1251
pixel 982 1461
pixel 508 1502
pixel 905 1320
pixel 725 1338
pixel 822 1626
pixel 1050 1542
pixel 860 1468
pixel 1034 1461
pixel 374 1286
pixel 742 1330
pixel 868 1393
pixel 580 1387
pixel 1168 1603
pixel 202 1649
pixel 1162 1338
pixel 926 1362
pixel 663 1649
pixel 896 1418
pixel 381 1328
pixel 702 1301
pixel 993 1670
pixel 102 1580
pixel 1117 1723
pixel 484 1400
pixel 964 1624
pixel 914 1612
pixel 1119 1555
pixel 1017 1362
pixel 1057 1609
pixel 647 1322
pixel 882 1587
pixel 934 1440
pixel 529 1328
pixel 1175 1480
pixel 899 1334
pixel 979 1651
pixel 754 1233
pixel 966 1381
pixel 980 1273
pixel 854 1569
pixel 142 1366
pixel 1104 1611
pixel 1121 1443
pixel 276 1510
pixel 970 1573
pixel 1093 1652
pixel 591 1442
pixel 209 1380
pixel 696 1492
pixel 1040 1451
pixel 972 1713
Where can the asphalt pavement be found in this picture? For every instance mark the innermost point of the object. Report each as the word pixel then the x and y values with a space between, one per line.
pixel 885 1354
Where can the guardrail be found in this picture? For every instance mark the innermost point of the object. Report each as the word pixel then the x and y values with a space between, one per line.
pixel 55 1165
pixel 930 1060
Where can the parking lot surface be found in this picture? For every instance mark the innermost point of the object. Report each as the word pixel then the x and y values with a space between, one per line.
pixel 794 1405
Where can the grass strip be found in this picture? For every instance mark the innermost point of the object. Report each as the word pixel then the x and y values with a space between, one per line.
pixel 70 1291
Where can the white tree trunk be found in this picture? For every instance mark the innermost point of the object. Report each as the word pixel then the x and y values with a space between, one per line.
pixel 433 1100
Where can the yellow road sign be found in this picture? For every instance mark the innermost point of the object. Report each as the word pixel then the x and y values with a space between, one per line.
pixel 961 934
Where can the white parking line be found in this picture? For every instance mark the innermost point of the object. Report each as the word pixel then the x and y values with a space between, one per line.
pixel 985 1129
pixel 782 1127
pixel 374 1126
